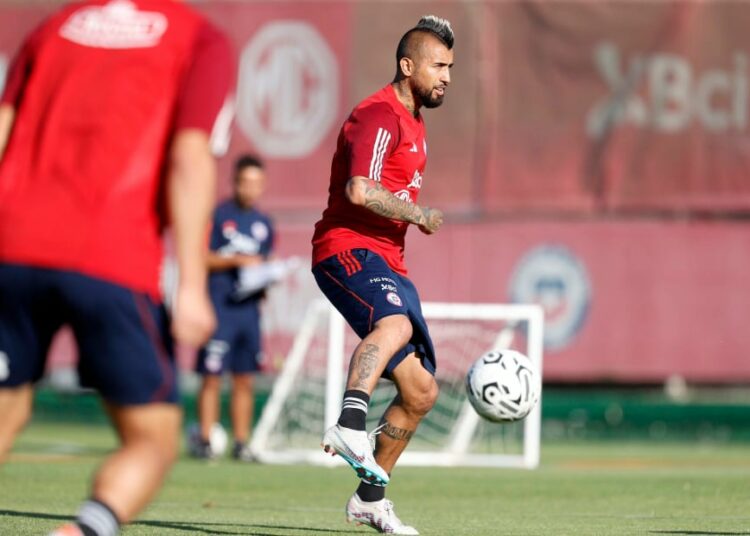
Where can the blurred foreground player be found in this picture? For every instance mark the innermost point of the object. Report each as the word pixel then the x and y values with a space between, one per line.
pixel 105 129
pixel 358 262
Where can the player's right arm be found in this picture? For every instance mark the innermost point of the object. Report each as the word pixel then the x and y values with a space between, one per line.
pixel 7 117
pixel 191 184
pixel 373 196
pixel 192 177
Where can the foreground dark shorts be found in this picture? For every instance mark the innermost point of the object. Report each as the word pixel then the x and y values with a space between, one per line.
pixel 124 346
pixel 364 289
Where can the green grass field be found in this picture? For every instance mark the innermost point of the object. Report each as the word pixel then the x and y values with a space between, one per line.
pixel 581 489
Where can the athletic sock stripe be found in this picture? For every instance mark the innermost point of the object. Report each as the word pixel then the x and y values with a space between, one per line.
pixel 98 517
pixel 354 400
pixel 351 404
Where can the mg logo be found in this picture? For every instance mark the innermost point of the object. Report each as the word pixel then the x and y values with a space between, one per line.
pixel 288 89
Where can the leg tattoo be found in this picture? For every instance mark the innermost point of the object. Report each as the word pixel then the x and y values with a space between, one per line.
pixel 399 434
pixel 364 365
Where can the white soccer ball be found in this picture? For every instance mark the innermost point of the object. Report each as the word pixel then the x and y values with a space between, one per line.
pixel 503 385
pixel 218 439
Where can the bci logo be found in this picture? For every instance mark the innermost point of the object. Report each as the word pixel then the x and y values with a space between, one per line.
pixel 676 94
pixel 288 89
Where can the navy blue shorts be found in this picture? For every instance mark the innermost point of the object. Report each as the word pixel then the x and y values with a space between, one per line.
pixel 364 289
pixel 124 345
pixel 235 346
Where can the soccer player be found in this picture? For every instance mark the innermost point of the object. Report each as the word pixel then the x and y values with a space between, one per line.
pixel 241 239
pixel 358 262
pixel 106 126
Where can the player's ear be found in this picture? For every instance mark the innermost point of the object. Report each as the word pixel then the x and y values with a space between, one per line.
pixel 407 67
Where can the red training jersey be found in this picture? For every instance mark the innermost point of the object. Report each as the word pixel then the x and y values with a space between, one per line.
pixel 100 89
pixel 383 141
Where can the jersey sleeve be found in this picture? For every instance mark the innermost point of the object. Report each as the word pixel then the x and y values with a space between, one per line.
pixel 371 136
pixel 206 99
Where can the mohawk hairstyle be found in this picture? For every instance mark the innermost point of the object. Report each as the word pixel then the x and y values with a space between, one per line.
pixel 440 28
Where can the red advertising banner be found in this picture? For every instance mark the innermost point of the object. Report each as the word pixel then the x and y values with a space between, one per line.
pixel 624 301
pixel 619 105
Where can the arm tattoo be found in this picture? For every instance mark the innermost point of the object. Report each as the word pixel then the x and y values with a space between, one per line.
pixel 383 203
pixel 364 364
pixel 399 434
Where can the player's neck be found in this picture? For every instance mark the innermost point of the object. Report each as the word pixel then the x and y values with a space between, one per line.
pixel 243 206
pixel 405 96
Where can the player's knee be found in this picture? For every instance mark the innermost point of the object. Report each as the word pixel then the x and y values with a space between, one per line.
pixel 16 410
pixel 422 398
pixel 398 327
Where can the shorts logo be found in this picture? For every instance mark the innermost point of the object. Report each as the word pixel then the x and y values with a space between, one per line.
pixel 215 351
pixel 553 277
pixel 288 90
pixel 4 366
pixel 394 299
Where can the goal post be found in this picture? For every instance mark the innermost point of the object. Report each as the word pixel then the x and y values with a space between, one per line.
pixel 306 397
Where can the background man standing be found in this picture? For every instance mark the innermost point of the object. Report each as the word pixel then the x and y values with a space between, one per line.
pixel 241 240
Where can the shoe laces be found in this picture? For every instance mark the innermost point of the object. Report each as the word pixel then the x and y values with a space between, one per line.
pixel 372 437
pixel 391 513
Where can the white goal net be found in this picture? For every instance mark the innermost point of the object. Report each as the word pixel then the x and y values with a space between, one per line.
pixel 306 397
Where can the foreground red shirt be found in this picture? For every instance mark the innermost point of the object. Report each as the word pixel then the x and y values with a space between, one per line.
pixel 100 88
pixel 381 140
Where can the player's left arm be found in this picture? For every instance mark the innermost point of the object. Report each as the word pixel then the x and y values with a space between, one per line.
pixel 376 198
pixel 371 137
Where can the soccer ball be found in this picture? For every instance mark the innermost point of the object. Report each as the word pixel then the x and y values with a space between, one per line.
pixel 503 385
pixel 218 439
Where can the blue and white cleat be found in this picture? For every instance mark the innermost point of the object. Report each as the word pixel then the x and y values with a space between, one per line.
pixel 379 515
pixel 355 448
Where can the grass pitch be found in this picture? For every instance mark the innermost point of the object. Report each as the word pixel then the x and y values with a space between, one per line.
pixel 581 489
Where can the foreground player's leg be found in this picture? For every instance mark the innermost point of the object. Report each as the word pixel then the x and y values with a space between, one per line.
pixel 209 407
pixel 15 407
pixel 129 478
pixel 418 392
pixel 241 409
pixel 348 437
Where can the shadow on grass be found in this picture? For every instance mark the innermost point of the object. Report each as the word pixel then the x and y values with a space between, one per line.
pixel 699 533
pixel 210 528
pixel 191 527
